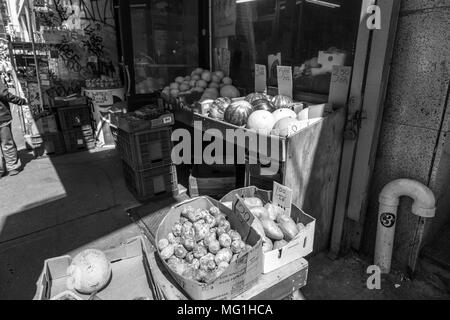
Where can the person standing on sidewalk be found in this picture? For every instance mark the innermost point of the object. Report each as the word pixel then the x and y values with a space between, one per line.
pixel 8 149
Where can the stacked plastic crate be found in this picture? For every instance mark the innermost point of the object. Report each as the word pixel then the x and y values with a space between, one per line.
pixel 147 163
pixel 76 125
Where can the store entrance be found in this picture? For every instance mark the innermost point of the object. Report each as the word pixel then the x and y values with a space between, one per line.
pixel 158 40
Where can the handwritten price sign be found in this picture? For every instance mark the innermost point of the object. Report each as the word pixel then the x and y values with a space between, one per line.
pixel 282 197
pixel 260 78
pixel 285 81
pixel 244 212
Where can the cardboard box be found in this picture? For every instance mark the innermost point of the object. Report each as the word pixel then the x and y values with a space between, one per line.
pixel 299 247
pixel 240 276
pixel 129 274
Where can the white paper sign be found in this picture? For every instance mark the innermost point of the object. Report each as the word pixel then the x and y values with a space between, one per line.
pixel 285 81
pixel 260 78
pixel 282 197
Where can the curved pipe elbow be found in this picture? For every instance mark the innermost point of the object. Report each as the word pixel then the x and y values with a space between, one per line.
pixel 424 200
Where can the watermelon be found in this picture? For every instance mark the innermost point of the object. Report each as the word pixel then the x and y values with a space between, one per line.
pixel 252 97
pixel 263 104
pixel 229 91
pixel 287 127
pixel 218 108
pixel 284 113
pixel 282 101
pixel 238 113
pixel 261 121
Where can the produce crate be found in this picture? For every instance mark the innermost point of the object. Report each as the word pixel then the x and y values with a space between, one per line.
pixel 240 276
pixel 132 125
pixel 258 175
pixel 149 184
pixel 48 144
pixel 71 118
pixel 130 280
pixel 147 149
pixel 299 247
pixel 79 139
pixel 214 181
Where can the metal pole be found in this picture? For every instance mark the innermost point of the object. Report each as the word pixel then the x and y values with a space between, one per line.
pixel 33 46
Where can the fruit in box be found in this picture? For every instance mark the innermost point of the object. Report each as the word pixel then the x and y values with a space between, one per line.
pixel 229 91
pixel 287 127
pixel 261 121
pixel 263 104
pixel 89 272
pixel 252 97
pixel 238 113
pixel 283 113
pixel 212 251
pixel 281 101
pixel 218 108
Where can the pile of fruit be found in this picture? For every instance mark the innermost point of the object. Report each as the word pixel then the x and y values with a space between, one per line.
pixel 271 222
pixel 211 85
pixel 259 112
pixel 201 245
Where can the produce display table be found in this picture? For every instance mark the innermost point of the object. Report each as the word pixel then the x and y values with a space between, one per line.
pixel 277 285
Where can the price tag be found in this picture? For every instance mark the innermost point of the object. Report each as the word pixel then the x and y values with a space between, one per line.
pixel 260 78
pixel 282 197
pixel 243 211
pixel 285 82
pixel 93 59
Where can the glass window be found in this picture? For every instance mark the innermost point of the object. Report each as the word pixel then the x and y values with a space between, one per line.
pixel 251 30
pixel 165 41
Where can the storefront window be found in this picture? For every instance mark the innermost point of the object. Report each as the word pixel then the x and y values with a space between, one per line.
pixel 250 31
pixel 165 41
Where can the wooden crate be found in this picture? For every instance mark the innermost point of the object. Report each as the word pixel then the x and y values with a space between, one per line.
pixel 310 162
pixel 214 181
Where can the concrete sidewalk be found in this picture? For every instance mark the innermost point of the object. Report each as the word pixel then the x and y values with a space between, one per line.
pixel 59 206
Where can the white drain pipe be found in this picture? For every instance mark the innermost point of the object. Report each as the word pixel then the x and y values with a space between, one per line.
pixel 424 206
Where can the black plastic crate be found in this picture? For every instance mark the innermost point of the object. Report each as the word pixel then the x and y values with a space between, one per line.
pixel 79 140
pixel 149 184
pixel 75 117
pixel 48 144
pixel 147 149
pixel 261 177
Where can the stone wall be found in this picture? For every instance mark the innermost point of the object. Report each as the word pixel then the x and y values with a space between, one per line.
pixel 414 135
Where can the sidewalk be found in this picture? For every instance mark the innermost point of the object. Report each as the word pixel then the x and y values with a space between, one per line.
pixel 59 206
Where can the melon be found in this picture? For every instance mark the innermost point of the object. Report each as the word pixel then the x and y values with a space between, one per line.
pixel 202 84
pixel 187 78
pixel 174 92
pixel 252 97
pixel 89 272
pixel 179 80
pixel 215 79
pixel 197 71
pixel 238 113
pixel 184 87
pixel 287 127
pixel 229 91
pixel 211 93
pixel 193 83
pixel 281 101
pixel 214 85
pixel 261 121
pixel 207 76
pixel 283 113
pixel 218 108
pixel 219 74
pixel 263 104
pixel 227 81
pixel 174 85
pixel 195 77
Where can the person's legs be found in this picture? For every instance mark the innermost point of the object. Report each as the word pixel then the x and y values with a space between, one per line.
pixel 9 150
